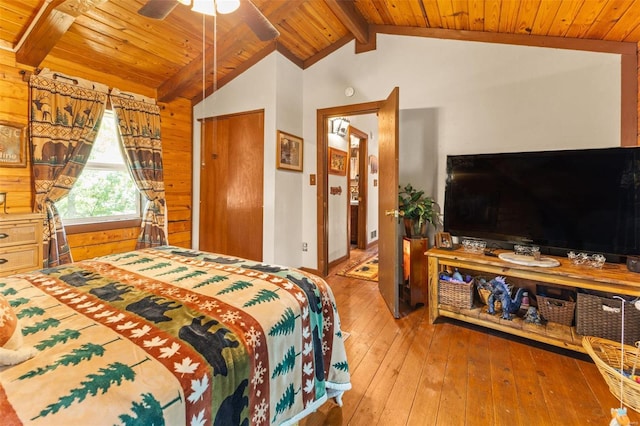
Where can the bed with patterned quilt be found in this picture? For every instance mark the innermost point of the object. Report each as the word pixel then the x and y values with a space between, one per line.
pixel 172 336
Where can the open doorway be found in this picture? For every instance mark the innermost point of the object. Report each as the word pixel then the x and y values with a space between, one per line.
pixel 358 188
pixel 387 112
pixel 324 117
pixel 351 219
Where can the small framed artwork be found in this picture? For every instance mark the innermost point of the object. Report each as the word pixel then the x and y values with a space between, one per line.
pixel 444 241
pixel 337 161
pixel 289 152
pixel 13 152
pixel 373 162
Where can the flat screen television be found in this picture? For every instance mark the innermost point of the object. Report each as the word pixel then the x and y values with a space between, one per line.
pixel 585 200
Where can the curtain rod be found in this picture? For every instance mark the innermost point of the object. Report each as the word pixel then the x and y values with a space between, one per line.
pixel 26 75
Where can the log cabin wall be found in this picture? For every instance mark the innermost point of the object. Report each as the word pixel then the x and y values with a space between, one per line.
pixel 177 151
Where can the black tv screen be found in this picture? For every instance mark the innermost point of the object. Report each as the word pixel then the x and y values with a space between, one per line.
pixel 582 200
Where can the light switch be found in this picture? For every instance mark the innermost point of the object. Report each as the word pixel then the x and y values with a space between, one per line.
pixel 312 180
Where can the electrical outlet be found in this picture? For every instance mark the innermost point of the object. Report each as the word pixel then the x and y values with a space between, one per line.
pixel 305 247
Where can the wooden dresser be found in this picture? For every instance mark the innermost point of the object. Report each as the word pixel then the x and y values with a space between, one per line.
pixel 20 242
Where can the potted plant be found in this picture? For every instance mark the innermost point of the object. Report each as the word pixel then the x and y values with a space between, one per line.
pixel 418 210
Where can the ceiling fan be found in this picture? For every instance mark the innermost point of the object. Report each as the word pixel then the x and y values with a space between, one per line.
pixel 259 24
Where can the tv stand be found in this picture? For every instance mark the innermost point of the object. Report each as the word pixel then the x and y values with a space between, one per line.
pixel 613 278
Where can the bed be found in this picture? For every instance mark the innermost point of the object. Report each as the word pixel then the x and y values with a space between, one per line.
pixel 172 336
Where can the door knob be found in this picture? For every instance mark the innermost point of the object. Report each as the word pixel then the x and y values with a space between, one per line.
pixel 393 213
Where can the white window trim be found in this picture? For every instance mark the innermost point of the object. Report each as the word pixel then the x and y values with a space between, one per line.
pixel 120 167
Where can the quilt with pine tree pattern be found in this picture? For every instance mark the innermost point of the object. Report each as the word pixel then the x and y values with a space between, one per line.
pixel 169 336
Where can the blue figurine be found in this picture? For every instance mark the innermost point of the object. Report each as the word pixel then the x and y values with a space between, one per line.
pixel 532 316
pixel 501 291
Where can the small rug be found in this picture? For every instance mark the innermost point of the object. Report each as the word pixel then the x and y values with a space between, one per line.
pixel 364 270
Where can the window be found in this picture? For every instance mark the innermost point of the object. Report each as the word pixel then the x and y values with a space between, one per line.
pixel 105 190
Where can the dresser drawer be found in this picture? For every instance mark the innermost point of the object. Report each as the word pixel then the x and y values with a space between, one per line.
pixel 19 259
pixel 19 233
pixel 20 242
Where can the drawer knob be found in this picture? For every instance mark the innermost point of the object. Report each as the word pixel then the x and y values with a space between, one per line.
pixel 3 261
pixel 3 235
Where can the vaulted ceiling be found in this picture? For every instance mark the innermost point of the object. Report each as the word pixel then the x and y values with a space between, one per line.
pixel 174 54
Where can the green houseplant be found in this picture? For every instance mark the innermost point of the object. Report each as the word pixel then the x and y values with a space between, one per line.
pixel 417 210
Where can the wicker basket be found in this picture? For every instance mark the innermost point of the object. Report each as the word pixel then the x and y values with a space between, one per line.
pixel 484 296
pixel 457 294
pixel 602 317
pixel 556 310
pixel 607 354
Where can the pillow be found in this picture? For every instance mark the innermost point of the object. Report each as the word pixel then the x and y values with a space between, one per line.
pixel 8 321
pixel 11 350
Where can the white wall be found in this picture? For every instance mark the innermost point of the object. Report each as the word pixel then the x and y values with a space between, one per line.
pixel 286 246
pixel 273 84
pixel 480 97
pixel 484 97
pixel 337 205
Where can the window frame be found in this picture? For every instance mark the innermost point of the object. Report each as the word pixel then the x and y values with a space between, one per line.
pixel 100 223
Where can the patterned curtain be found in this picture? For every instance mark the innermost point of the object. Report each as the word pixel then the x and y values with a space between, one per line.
pixel 139 124
pixel 65 116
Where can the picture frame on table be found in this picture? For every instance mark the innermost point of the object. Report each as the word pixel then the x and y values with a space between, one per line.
pixel 289 151
pixel 337 161
pixel 13 145
pixel 444 241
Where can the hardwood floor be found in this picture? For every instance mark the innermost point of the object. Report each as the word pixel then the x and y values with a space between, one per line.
pixel 409 372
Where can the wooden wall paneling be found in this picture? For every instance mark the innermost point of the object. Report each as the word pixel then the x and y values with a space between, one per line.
pixel 67 66
pixel 177 132
pixel 15 181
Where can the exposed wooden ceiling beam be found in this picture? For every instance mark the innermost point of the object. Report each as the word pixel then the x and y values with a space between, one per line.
pixel 54 22
pixel 191 74
pixel 347 13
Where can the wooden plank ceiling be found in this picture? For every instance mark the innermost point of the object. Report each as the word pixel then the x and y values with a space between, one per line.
pixel 109 36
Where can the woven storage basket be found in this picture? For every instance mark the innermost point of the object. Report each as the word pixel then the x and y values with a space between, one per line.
pixel 556 310
pixel 602 317
pixel 456 294
pixel 607 354
pixel 484 296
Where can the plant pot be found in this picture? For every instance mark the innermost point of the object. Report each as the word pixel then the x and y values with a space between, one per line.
pixel 413 229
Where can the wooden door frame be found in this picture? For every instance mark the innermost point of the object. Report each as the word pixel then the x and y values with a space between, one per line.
pixel 322 193
pixel 363 186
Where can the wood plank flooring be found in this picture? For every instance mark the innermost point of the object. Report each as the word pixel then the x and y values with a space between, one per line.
pixel 409 372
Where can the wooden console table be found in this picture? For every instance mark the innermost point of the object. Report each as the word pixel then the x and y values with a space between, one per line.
pixel 613 278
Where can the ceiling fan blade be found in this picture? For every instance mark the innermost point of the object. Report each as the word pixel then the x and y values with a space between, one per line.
pixel 157 9
pixel 258 23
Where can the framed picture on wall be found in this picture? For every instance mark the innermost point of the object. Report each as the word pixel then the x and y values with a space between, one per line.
pixel 373 162
pixel 13 152
pixel 289 152
pixel 337 162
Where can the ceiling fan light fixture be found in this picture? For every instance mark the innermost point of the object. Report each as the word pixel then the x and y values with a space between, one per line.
pixel 227 6
pixel 206 7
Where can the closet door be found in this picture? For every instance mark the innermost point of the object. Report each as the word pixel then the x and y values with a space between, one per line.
pixel 231 185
